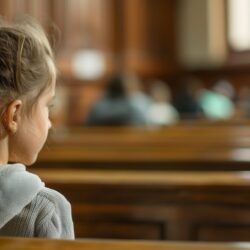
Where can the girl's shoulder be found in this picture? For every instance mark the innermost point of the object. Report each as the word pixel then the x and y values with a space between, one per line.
pixel 54 218
pixel 54 198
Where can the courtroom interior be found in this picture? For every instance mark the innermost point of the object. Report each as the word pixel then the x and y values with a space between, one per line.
pixel 151 120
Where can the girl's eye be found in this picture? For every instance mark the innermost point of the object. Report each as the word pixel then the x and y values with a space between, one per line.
pixel 50 106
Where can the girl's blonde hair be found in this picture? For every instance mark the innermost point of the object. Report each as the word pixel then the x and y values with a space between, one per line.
pixel 27 65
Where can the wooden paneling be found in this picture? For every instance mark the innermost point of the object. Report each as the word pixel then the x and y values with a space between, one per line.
pixel 81 98
pixel 183 206
pixel 149 37
pixel 121 229
pixel 216 232
pixel 239 76
pixel 14 9
pixel 134 35
pixel 86 24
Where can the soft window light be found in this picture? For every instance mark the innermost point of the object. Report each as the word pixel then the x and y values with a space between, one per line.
pixel 239 23
pixel 88 64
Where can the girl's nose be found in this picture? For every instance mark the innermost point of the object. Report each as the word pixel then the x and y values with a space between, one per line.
pixel 50 125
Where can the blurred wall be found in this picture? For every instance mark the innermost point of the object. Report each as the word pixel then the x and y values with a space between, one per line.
pixel 166 39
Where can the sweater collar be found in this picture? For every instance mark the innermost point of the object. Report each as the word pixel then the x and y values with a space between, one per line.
pixel 17 189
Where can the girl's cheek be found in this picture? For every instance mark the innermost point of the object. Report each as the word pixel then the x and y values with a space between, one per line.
pixel 49 124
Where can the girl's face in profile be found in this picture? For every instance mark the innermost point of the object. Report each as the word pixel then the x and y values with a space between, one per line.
pixel 32 132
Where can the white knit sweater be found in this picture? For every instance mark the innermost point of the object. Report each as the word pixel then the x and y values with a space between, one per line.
pixel 28 209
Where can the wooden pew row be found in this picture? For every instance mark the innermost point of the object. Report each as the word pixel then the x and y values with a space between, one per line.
pixel 156 205
pixel 232 135
pixel 211 148
pixel 42 244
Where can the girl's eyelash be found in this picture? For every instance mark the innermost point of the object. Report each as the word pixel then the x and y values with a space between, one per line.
pixel 50 106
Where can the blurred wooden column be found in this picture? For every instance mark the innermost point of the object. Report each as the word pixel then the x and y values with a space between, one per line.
pixel 149 37
pixel 13 9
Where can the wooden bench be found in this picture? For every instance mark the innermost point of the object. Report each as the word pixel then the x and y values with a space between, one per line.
pixel 180 147
pixel 42 244
pixel 156 205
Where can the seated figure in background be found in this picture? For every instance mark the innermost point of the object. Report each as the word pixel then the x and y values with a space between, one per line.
pixel 137 96
pixel 217 103
pixel 161 112
pixel 114 108
pixel 187 99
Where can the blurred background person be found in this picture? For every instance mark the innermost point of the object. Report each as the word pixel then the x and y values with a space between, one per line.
pixel 161 111
pixel 114 108
pixel 187 101
pixel 217 103
pixel 136 94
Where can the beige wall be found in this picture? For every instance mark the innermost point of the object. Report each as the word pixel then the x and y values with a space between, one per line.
pixel 201 33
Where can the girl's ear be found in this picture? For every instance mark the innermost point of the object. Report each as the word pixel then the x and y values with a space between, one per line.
pixel 12 116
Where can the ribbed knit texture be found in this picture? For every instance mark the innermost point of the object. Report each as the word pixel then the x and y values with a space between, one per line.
pixel 40 212
pixel 47 216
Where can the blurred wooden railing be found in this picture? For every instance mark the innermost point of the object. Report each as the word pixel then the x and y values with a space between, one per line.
pixel 38 244
pixel 201 147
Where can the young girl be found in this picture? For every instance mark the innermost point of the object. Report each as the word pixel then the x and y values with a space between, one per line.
pixel 27 87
